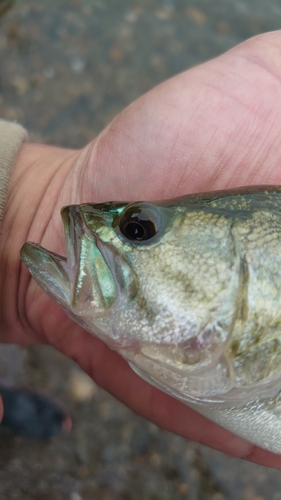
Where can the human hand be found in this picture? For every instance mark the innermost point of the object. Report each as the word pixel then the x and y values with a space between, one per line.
pixel 213 127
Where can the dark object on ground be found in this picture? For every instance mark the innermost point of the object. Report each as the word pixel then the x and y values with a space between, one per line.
pixel 32 415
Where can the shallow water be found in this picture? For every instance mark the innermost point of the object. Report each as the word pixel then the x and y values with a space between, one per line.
pixel 67 68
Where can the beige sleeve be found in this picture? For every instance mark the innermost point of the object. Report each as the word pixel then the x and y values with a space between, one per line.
pixel 11 137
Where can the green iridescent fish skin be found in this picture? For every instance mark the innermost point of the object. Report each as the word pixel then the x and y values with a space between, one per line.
pixel 194 305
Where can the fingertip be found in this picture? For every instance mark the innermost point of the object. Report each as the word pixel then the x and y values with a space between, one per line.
pixel 263 457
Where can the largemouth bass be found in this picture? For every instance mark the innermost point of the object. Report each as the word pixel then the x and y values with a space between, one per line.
pixel 188 291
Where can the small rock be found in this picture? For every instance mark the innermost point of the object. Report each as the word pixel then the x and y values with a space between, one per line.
pixel 82 387
pixel 77 64
pixel 115 55
pixel 223 27
pixel 196 16
pixel 75 496
pixel 21 84
pixel 131 16
pixel 163 14
pixel 49 72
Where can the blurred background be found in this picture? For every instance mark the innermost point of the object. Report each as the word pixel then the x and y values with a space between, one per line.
pixel 67 67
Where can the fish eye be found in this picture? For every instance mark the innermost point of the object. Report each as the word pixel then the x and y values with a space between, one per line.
pixel 139 222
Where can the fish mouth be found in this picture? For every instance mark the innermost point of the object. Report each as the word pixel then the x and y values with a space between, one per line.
pixel 57 275
pixel 94 276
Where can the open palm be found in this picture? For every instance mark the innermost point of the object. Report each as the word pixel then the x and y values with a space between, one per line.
pixel 213 127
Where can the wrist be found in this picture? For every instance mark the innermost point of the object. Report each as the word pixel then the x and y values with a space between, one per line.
pixel 37 179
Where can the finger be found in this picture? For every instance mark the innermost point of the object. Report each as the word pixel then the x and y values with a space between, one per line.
pixel 112 373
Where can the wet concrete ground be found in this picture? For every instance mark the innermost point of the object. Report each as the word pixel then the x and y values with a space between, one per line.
pixel 67 68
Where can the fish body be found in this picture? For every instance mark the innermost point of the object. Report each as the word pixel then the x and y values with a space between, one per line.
pixel 188 291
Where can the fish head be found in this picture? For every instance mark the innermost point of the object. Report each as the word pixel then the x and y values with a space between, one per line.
pixel 97 276
pixel 155 281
